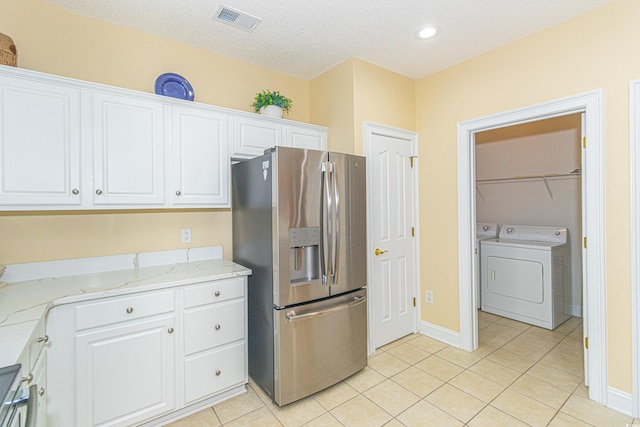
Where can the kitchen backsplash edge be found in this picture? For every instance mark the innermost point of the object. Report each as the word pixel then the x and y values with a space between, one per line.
pixel 71 267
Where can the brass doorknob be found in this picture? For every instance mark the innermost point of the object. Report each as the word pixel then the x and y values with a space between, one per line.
pixel 378 252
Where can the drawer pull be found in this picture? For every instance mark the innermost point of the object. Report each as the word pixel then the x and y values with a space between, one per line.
pixel 170 330
pixel 41 391
pixel 129 310
pixel 217 327
pixel 44 339
pixel 217 293
pixel 218 373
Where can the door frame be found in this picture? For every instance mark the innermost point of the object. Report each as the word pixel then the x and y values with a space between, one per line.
pixel 411 137
pixel 634 140
pixel 591 104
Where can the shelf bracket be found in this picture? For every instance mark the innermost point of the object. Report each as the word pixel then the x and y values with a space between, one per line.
pixel 479 193
pixel 546 184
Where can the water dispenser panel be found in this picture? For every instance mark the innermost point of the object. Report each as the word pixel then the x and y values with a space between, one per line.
pixel 304 252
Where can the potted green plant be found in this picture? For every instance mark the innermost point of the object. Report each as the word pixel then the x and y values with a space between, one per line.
pixel 271 103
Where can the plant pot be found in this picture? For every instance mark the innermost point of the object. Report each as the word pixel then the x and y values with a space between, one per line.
pixel 271 111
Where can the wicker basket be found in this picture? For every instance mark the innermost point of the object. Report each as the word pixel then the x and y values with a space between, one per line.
pixel 8 52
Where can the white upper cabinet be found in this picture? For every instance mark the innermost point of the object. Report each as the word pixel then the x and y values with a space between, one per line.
pixel 39 143
pixel 200 157
pixel 253 134
pixel 128 151
pixel 305 136
pixel 66 144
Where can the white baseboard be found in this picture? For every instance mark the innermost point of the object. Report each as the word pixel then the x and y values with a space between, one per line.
pixel 620 401
pixel 574 310
pixel 439 333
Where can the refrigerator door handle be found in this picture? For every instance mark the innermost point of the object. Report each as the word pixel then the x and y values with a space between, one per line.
pixel 326 205
pixel 292 316
pixel 335 232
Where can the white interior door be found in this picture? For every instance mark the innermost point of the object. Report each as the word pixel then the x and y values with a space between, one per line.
pixel 392 230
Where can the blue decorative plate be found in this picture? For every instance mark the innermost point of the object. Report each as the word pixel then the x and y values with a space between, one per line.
pixel 175 86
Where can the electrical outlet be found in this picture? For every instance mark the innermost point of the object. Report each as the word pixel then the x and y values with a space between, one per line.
pixel 186 235
pixel 428 296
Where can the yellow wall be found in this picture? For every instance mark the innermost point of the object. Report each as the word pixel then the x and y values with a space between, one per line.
pixel 52 40
pixel 355 92
pixel 382 97
pixel 595 50
pixel 332 105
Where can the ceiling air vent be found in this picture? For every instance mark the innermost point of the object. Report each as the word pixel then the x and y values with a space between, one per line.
pixel 236 18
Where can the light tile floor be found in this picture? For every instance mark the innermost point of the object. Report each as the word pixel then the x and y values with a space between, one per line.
pixel 521 375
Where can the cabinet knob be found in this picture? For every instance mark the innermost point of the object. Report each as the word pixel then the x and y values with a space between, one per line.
pixel 129 310
pixel 44 339
pixel 217 293
pixel 41 391
pixel 28 378
pixel 98 192
pixel 217 327
pixel 75 191
pixel 218 373
pixel 170 330
pixel 178 193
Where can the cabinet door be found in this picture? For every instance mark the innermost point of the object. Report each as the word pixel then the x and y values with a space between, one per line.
pixel 251 136
pixel 128 150
pixel 200 157
pixel 125 374
pixel 39 143
pixel 40 379
pixel 303 137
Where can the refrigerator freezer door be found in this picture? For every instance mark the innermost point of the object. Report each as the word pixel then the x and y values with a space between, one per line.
pixel 350 256
pixel 319 345
pixel 297 226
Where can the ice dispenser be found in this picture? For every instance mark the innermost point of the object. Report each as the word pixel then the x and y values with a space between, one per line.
pixel 304 246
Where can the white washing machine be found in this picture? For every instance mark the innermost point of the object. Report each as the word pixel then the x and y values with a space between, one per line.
pixel 484 230
pixel 526 274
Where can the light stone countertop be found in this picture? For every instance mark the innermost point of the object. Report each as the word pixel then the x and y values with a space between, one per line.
pixel 24 303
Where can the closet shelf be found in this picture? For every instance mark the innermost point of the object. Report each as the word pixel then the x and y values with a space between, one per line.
pixel 529 178
pixel 548 177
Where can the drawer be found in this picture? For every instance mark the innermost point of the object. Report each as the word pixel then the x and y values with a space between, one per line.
pixel 213 325
pixel 121 309
pixel 214 372
pixel 210 292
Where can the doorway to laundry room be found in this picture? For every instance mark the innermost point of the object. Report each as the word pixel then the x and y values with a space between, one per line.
pixel 528 209
pixel 589 106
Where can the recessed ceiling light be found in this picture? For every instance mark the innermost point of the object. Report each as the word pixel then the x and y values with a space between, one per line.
pixel 426 32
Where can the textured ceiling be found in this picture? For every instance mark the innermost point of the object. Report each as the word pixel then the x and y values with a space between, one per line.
pixel 304 38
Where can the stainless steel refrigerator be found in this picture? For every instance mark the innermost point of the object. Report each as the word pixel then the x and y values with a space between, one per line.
pixel 299 223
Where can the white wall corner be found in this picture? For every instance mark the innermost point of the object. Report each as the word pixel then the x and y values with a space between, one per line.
pixel 439 333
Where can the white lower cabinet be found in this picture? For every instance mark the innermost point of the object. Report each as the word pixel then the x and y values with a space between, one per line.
pixel 213 371
pixel 125 374
pixel 40 379
pixel 215 329
pixel 139 358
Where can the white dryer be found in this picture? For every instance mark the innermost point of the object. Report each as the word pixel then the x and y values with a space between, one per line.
pixel 526 274
pixel 484 230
